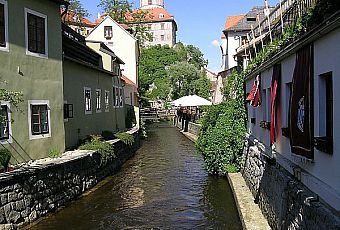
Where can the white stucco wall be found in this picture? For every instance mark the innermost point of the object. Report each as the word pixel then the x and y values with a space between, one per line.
pixel 122 43
pixel 234 41
pixel 169 32
pixel 322 174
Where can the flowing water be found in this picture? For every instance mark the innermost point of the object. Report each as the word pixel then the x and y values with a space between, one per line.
pixel 165 186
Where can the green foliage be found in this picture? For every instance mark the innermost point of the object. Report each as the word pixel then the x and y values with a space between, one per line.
pixel 223 128
pixel 105 149
pixel 117 9
pixel 14 98
pixel 5 157
pixel 174 72
pixel 77 7
pixel 54 153
pixel 130 118
pixel 126 138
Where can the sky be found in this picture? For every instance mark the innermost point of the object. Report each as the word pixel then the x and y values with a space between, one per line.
pixel 200 23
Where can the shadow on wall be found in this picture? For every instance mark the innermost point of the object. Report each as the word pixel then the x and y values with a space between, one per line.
pixel 284 201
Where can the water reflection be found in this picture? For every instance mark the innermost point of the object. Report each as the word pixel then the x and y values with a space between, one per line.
pixel 164 186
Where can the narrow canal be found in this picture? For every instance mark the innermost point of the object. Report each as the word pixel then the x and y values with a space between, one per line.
pixel 165 186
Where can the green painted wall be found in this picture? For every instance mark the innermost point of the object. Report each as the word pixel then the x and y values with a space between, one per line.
pixel 76 77
pixel 41 78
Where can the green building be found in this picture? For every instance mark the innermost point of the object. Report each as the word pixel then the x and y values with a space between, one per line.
pixel 93 89
pixel 31 62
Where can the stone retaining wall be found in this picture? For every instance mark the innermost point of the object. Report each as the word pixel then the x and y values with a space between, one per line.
pixel 44 186
pixel 193 128
pixel 285 202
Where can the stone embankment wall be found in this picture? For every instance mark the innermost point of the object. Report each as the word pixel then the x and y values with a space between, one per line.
pixel 46 185
pixel 285 202
pixel 193 128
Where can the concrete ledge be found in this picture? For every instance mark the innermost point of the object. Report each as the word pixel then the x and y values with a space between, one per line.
pixel 249 212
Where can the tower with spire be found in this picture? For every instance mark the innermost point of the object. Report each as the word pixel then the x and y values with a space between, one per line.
pixel 149 4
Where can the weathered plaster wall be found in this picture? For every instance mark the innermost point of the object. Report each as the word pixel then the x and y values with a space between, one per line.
pixel 39 79
pixel 76 77
pixel 44 186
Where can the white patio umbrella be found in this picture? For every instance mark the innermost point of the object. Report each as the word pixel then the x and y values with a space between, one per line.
pixel 192 100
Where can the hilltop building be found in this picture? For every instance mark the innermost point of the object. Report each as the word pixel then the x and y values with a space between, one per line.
pixel 160 23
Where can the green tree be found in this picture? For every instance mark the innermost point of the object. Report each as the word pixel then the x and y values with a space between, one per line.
pixel 203 86
pixel 77 7
pixel 117 9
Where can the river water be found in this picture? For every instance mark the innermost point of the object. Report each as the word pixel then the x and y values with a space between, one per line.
pixel 165 186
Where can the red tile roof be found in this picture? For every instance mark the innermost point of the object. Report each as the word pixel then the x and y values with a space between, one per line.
pixel 231 21
pixel 154 15
pixel 72 18
pixel 129 82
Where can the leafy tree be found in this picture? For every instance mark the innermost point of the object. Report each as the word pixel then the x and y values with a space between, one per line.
pixel 117 9
pixel 203 86
pixel 77 7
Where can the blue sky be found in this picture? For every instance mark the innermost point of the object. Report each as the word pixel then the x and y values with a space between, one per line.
pixel 199 22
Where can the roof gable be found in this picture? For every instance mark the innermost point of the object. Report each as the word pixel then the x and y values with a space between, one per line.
pixel 113 23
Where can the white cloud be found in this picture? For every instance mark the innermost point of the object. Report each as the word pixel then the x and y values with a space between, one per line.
pixel 215 43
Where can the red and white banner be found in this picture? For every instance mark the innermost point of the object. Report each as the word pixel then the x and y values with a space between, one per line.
pixel 254 95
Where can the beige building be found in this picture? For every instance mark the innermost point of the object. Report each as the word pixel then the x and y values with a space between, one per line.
pixel 160 23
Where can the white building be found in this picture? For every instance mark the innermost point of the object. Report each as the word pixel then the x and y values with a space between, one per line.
pixel 121 42
pixel 292 149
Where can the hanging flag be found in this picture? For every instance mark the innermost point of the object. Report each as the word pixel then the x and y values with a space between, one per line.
pixel 254 95
pixel 274 100
pixel 301 114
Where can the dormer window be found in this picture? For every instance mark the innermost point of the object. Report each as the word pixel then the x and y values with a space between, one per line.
pixel 108 32
pixel 161 15
pixel 149 2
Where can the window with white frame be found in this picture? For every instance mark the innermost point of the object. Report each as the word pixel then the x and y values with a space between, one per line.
pixel 87 100
pixel 39 119
pixel 107 101
pixel 36 33
pixel 4 123
pixel 98 100
pixel 3 25
pixel 108 32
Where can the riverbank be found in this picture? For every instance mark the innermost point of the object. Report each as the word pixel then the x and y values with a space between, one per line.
pixel 249 212
pixel 46 185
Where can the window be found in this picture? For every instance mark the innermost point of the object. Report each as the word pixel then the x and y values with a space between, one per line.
pixel 107 102
pixel 149 2
pixel 162 26
pixel 39 119
pixel 98 100
pixel 4 123
pixel 161 15
pixel 36 33
pixel 68 111
pixel 264 105
pixel 3 25
pixel 162 37
pixel 324 142
pixel 87 97
pixel 121 96
pixel 39 116
pixel 108 32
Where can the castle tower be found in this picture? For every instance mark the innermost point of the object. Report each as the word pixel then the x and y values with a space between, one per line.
pixel 148 4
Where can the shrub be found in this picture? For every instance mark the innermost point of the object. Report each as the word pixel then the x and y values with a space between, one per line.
pixel 105 149
pixel 5 157
pixel 54 153
pixel 126 138
pixel 222 133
